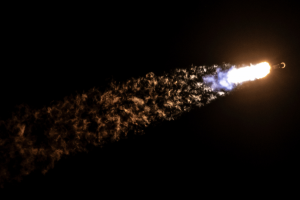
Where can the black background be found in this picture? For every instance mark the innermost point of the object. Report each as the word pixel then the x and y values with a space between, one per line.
pixel 52 51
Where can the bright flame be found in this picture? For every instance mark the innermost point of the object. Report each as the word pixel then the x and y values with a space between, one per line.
pixel 249 73
pixel 228 79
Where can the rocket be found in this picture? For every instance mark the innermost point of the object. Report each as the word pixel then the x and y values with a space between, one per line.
pixel 279 66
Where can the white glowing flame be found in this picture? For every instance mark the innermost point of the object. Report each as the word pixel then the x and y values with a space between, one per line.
pixel 248 73
pixel 227 80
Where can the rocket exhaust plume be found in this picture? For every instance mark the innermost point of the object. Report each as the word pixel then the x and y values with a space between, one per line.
pixel 228 79
pixel 34 140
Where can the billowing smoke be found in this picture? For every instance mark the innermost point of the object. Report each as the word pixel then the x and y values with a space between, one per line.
pixel 34 140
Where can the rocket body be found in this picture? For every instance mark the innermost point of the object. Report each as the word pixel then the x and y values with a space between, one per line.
pixel 279 66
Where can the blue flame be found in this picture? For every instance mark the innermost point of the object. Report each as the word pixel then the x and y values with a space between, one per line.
pixel 220 80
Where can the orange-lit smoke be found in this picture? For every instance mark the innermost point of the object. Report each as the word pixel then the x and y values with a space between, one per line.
pixel 36 139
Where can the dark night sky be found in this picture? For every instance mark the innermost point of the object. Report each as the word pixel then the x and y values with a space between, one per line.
pixel 253 132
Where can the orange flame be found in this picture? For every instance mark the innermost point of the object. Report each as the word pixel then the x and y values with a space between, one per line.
pixel 249 73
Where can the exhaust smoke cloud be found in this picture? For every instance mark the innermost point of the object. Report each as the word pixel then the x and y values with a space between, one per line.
pixel 34 140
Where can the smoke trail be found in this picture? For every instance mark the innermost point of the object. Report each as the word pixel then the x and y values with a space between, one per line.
pixel 36 139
